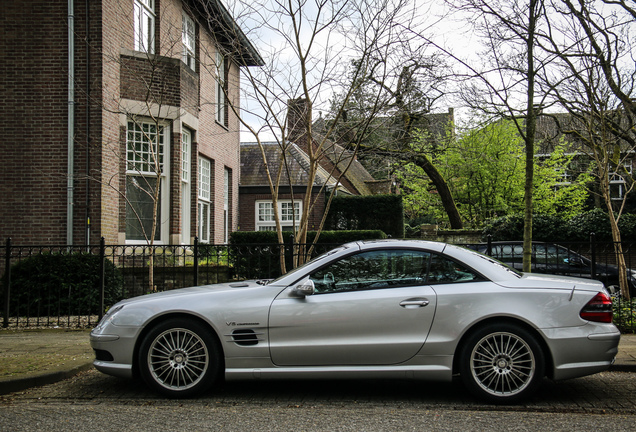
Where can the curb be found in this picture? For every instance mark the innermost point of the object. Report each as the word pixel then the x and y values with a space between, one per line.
pixel 622 368
pixel 20 384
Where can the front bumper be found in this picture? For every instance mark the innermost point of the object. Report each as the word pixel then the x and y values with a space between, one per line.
pixel 115 352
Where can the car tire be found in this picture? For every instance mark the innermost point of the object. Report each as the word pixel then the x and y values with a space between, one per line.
pixel 501 363
pixel 179 358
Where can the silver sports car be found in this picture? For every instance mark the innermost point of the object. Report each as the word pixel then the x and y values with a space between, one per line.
pixel 372 309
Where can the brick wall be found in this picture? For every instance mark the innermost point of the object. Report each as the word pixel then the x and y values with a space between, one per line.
pixel 33 106
pixel 33 88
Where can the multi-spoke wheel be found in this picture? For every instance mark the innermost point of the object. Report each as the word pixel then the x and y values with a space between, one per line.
pixel 179 358
pixel 501 363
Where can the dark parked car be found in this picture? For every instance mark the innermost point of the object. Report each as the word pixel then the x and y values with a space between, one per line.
pixel 555 259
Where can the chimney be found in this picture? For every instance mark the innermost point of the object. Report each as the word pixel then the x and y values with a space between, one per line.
pixel 298 118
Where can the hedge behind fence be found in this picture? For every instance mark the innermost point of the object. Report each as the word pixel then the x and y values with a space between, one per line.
pixel 61 284
pixel 376 212
pixel 553 228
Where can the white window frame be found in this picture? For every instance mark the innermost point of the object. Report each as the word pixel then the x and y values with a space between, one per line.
pixel 264 214
pixel 140 158
pixel 188 36
pixel 617 182
pixel 186 158
pixel 204 195
pixel 144 26
pixel 221 89
pixel 227 178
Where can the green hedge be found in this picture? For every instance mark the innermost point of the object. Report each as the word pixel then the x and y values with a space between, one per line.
pixel 557 229
pixel 375 212
pixel 255 254
pixel 61 284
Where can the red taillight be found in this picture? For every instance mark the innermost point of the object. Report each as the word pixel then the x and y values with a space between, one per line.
pixel 599 309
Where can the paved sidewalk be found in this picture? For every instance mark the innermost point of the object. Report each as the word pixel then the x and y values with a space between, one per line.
pixel 30 358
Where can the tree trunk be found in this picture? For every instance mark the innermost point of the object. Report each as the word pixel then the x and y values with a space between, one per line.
pixel 448 202
pixel 531 117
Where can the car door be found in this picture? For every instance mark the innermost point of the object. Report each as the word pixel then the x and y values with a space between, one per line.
pixel 370 308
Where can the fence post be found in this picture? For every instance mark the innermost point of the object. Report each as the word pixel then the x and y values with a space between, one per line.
pixel 489 247
pixel 7 284
pixel 102 279
pixel 593 255
pixel 196 261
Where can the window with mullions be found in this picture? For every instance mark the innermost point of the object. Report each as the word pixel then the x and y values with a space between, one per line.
pixel 205 181
pixel 144 23
pixel 289 215
pixel 145 180
pixel 186 148
pixel 145 148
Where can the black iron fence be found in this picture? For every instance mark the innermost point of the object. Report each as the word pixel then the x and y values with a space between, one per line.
pixel 72 286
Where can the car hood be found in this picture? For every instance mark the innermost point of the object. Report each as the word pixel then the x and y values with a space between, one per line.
pixel 197 290
pixel 546 281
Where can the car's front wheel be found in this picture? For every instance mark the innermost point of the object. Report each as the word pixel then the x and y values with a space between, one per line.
pixel 179 358
pixel 501 363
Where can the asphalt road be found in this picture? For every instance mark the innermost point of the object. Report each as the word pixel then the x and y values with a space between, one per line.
pixel 92 401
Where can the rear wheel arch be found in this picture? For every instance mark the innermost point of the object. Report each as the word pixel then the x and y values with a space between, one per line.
pixel 549 369
pixel 501 361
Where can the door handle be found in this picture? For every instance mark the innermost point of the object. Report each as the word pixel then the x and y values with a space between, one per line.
pixel 414 303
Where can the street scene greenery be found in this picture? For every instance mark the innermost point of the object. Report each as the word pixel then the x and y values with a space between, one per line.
pixel 542 148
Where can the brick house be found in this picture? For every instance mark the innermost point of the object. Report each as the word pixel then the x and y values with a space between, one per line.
pixel 102 100
pixel 561 129
pixel 255 197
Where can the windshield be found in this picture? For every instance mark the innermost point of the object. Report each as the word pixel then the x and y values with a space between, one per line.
pixel 308 263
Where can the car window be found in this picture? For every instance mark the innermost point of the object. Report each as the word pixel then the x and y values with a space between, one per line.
pixel 444 270
pixel 373 270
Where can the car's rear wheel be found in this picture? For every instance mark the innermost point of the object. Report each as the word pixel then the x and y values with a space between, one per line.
pixel 179 358
pixel 502 363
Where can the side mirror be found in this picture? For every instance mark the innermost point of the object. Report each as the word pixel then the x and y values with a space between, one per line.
pixel 305 289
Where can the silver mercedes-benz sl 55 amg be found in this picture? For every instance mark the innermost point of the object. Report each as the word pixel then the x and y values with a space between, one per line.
pixel 369 309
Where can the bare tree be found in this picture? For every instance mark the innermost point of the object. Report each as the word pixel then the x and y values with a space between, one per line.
pixel 397 134
pixel 593 79
pixel 306 47
pixel 504 85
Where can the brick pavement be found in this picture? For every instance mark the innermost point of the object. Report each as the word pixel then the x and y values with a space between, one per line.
pixel 37 357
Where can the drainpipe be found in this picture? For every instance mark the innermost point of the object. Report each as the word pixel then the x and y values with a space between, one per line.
pixel 71 123
pixel 88 122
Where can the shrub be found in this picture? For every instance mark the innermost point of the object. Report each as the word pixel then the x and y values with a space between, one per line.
pixel 594 221
pixel 504 228
pixel 61 284
pixel 552 228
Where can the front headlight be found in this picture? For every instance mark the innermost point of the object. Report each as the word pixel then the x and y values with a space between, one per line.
pixel 108 317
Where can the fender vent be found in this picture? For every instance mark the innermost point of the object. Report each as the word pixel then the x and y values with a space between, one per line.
pixel 245 337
